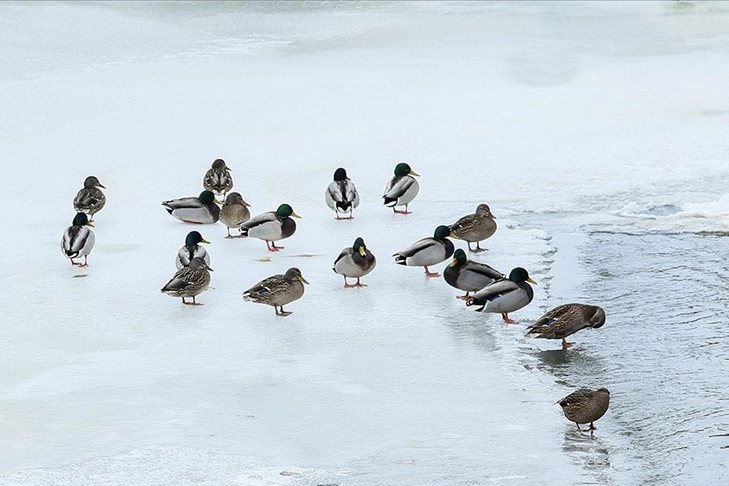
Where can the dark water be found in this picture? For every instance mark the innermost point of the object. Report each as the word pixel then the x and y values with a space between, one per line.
pixel 662 353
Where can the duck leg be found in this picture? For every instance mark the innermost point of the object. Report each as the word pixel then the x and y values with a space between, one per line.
pixel 272 246
pixel 401 212
pixel 507 319
pixel 359 284
pixel 565 344
pixel 282 313
pixel 428 273
pixel 478 248
pixel 347 285
pixel 191 303
pixel 463 297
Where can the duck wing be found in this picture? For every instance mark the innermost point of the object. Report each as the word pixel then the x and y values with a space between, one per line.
pixel 398 186
pixel 417 247
pixel 180 281
pixel 562 321
pixel 75 239
pixel 183 203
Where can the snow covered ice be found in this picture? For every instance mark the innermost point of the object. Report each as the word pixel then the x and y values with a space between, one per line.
pixel 578 124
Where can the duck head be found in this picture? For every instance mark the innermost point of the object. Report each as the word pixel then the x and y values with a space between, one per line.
pixel 208 197
pixel 483 211
pixel 459 258
pixel 193 238
pixel 219 164
pixel 442 232
pixel 340 175
pixel 236 198
pixel 359 247
pixel 520 275
pixel 403 169
pixel 284 211
pixel 598 318
pixel 91 182
pixel 82 219
pixel 294 273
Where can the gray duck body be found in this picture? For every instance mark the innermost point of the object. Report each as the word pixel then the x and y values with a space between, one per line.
pixel 355 262
pixel 78 240
pixel 468 275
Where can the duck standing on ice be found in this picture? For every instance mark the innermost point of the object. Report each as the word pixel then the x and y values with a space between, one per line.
pixel 401 189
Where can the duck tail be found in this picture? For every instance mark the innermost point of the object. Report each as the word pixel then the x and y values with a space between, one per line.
pixel 534 332
pixel 344 206
pixel 400 259
pixel 389 201
pixel 243 232
pixel 480 302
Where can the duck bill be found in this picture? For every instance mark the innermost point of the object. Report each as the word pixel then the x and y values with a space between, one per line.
pixel 362 251
pixel 413 173
pixel 209 269
pixel 205 241
pixel 453 235
pixel 101 186
pixel 245 203
pixel 302 279
pixel 216 201
pixel 296 216
pixel 90 224
pixel 453 263
pixel 531 280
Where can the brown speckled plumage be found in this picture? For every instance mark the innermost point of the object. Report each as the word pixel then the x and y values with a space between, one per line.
pixel 218 179
pixel 278 290
pixel 475 227
pixel 90 199
pixel 234 212
pixel 190 281
pixel 585 406
pixel 565 320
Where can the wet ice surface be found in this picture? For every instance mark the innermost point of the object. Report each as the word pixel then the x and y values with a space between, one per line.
pixel 604 164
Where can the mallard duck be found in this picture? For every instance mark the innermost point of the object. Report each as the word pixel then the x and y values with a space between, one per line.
pixel 189 281
pixel 468 275
pixel 234 212
pixel 90 199
pixel 505 295
pixel 278 290
pixel 202 209
pixel 78 240
pixel 475 227
pixel 427 251
pixel 401 189
pixel 585 406
pixel 218 179
pixel 271 226
pixel 341 195
pixel 355 262
pixel 192 250
pixel 565 320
